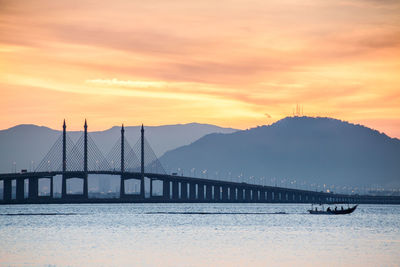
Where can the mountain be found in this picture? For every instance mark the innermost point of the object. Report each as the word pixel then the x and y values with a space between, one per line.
pixel 23 144
pixel 303 149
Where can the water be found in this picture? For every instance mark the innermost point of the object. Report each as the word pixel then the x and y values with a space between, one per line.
pixel 197 235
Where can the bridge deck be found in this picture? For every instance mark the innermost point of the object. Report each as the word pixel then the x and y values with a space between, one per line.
pixel 192 190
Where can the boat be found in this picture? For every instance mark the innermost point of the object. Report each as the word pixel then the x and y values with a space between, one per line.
pixel 335 211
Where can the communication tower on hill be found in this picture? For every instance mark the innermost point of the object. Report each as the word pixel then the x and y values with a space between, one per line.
pixel 298 111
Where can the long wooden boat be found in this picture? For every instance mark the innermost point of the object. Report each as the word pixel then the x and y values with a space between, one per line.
pixel 333 212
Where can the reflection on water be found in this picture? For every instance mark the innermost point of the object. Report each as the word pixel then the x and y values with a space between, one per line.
pixel 197 235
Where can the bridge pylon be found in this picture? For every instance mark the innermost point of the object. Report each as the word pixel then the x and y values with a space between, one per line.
pixel 67 163
pixel 85 163
pixel 64 162
pixel 142 193
pixel 122 186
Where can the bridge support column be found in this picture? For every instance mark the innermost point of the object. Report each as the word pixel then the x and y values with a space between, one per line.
pixel 247 195
pixel 175 190
pixel 51 186
pixel 232 195
pixel 254 195
pixel 262 196
pixel 208 192
pixel 33 188
pixel 200 192
pixel 151 187
pixel 122 187
pixel 286 197
pixel 166 189
pixel 20 190
pixel 85 186
pixel 225 189
pixel 217 193
pixel 240 194
pixel 299 198
pixel 192 191
pixel 269 196
pixel 279 196
pixel 7 190
pixel 184 191
pixel 63 186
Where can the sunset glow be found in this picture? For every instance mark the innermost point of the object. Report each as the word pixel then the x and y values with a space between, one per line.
pixel 231 63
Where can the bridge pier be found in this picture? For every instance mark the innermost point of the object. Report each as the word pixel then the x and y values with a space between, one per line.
pixel 208 192
pixel 175 190
pixel 240 197
pixel 225 193
pixel 217 193
pixel 232 194
pixel 278 196
pixel 268 197
pixel 33 188
pixel 254 195
pixel 85 187
pixel 166 189
pixel 7 190
pixel 151 187
pixel 200 192
pixel 184 191
pixel 63 186
pixel 262 196
pixel 247 195
pixel 51 186
pixel 20 190
pixel 65 177
pixel 122 187
pixel 192 191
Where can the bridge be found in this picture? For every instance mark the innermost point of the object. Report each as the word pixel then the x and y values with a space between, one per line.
pixel 83 158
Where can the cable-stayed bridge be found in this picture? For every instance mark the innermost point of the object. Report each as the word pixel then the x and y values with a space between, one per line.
pixel 82 158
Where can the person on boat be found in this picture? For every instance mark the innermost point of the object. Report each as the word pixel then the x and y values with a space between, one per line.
pixel 328 209
pixel 316 209
pixel 335 208
pixel 341 208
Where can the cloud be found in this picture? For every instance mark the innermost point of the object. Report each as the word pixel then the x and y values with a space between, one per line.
pixel 135 84
pixel 187 59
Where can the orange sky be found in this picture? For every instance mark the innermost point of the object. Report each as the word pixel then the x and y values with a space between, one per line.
pixel 230 63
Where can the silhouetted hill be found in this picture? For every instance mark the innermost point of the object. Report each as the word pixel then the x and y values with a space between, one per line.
pixel 26 143
pixel 316 150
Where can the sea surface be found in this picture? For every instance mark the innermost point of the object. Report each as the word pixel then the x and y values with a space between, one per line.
pixel 197 235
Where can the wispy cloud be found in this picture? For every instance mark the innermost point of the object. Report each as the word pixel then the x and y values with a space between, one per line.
pixel 135 84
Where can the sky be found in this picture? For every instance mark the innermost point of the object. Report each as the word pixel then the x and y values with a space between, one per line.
pixel 231 63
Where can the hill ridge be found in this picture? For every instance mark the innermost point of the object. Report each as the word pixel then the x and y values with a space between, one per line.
pixel 314 149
